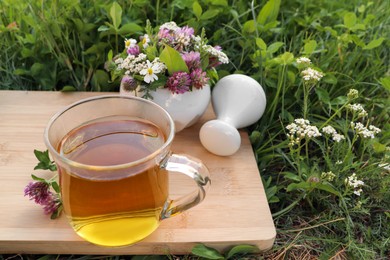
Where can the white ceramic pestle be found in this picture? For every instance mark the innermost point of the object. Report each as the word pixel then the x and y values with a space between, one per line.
pixel 238 101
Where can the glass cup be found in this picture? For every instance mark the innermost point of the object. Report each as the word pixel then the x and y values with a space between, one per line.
pixel 113 157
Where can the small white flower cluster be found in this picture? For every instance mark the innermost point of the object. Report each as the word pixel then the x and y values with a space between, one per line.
pixel 357 108
pixel 356 184
pixel 369 132
pixel 304 61
pixel 132 64
pixel 221 56
pixel 331 131
pixel 301 129
pixel 201 46
pixel 135 64
pixel 352 94
pixel 328 176
pixel 172 26
pixel 311 75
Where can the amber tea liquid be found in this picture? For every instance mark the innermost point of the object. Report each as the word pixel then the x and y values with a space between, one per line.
pixel 122 206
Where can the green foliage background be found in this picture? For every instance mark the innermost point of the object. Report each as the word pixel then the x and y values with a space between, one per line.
pixel 64 44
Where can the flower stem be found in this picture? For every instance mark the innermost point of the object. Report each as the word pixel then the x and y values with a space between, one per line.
pixel 289 207
pixel 305 101
pixel 279 88
pixel 334 114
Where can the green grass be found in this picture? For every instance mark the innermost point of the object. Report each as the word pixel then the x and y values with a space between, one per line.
pixel 347 40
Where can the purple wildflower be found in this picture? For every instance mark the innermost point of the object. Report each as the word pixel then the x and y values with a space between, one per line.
pixel 133 50
pixel 183 37
pixel 179 82
pixel 192 59
pixel 166 36
pixel 37 191
pixel 198 78
pixel 185 31
pixel 128 83
pixel 51 204
pixel 218 48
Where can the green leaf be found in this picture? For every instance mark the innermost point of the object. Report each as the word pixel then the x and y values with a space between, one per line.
pixel 173 60
pixel 197 9
pixel 270 192
pixel 309 47
pixel 68 88
pixel 206 252
pixel 249 26
pixel 350 20
pixel 21 72
pixel 326 187
pixel 103 28
pixel 374 43
pixel 357 40
pixel 274 47
pixel 55 30
pixel 55 186
pixel 269 12
pixel 209 14
pixel 291 176
pixel 37 69
pixel 358 26
pixel 291 76
pixel 52 167
pixel 110 55
pixel 219 2
pixel 151 52
pixel 295 186
pixel 35 178
pixel 44 161
pixel 96 48
pixel 286 58
pixel 330 79
pixel 242 249
pixel 129 28
pixel 378 147
pixel 323 95
pixel 385 82
pixel 116 15
pixel 261 44
pixel 42 156
pixel 340 100
pixel 331 31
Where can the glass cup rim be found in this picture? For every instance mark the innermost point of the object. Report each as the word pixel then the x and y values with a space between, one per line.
pixel 108 167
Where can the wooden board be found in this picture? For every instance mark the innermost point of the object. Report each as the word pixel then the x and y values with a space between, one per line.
pixel 234 212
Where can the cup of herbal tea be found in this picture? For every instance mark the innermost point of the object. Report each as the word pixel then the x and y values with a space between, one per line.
pixel 113 157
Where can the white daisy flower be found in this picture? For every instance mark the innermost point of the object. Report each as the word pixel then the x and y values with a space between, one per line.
pixel 145 40
pixel 130 43
pixel 150 72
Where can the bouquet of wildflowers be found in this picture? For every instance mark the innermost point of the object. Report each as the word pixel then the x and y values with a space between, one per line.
pixel 173 58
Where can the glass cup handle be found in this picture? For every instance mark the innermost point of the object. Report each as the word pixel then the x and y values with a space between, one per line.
pixel 193 168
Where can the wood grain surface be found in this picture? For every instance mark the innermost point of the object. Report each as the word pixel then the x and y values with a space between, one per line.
pixel 234 212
